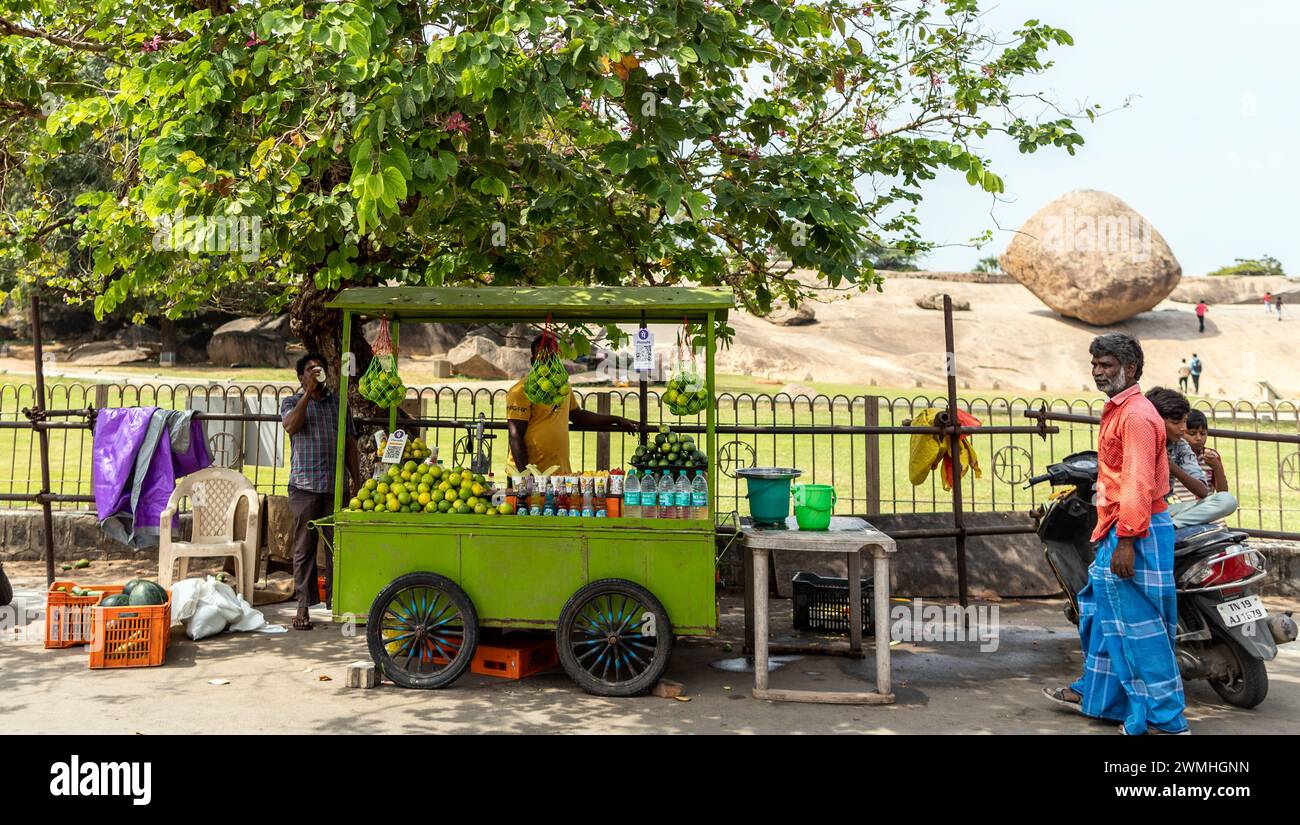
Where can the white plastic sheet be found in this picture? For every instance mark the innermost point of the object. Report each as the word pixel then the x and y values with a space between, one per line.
pixel 207 607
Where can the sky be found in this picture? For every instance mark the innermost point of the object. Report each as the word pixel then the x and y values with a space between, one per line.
pixel 1208 150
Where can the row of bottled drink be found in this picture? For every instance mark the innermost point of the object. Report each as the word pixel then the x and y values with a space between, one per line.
pixel 645 496
pixel 636 495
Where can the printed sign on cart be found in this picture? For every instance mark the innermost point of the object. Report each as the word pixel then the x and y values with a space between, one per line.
pixel 396 446
pixel 643 357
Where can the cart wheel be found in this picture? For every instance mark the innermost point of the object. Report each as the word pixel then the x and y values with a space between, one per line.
pixel 422 631
pixel 614 638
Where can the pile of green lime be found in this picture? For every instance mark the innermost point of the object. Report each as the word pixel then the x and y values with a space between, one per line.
pixel 428 488
pixel 686 395
pixel 670 450
pixel 547 383
pixel 383 387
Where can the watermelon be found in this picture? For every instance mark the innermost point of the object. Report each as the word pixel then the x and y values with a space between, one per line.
pixel 146 593
pixel 129 586
pixel 115 600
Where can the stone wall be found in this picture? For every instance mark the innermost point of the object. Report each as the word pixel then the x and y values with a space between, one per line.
pixel 76 536
pixel 1008 566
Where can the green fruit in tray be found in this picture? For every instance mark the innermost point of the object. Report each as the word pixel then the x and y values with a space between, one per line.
pixel 147 593
pixel 115 600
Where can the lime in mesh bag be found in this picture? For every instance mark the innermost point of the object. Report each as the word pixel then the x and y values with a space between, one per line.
pixel 548 381
pixel 686 393
pixel 381 383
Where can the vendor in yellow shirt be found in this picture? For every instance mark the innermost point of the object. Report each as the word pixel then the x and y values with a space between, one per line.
pixel 539 434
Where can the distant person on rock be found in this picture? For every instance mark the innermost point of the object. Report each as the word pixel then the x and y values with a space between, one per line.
pixel 1277 302
pixel 1184 372
pixel 1196 372
pixel 1268 302
pixel 1201 309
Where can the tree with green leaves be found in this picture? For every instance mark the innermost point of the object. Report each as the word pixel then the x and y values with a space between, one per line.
pixel 1263 266
pixel 430 142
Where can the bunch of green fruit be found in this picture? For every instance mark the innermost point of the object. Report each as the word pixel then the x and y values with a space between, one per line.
pixel 383 387
pixel 669 449
pixel 427 488
pixel 686 395
pixel 547 382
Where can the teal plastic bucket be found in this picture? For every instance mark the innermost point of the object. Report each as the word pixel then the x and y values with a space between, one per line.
pixel 768 490
pixel 813 504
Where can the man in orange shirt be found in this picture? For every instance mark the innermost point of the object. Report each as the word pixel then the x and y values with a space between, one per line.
pixel 539 434
pixel 1128 612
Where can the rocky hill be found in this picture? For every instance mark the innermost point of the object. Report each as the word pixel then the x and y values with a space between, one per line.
pixel 1009 341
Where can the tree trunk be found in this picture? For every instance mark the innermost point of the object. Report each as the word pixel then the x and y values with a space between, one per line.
pixel 321 330
pixel 167 350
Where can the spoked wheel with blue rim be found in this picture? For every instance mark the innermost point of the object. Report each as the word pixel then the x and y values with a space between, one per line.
pixel 422 631
pixel 614 638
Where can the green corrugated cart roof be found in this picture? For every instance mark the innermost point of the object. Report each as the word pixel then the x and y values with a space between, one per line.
pixel 500 304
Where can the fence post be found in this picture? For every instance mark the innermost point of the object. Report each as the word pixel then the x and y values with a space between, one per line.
pixel 602 437
pixel 871 458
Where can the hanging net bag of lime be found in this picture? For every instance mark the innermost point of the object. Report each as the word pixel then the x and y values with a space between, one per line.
pixel 547 383
pixel 686 393
pixel 381 383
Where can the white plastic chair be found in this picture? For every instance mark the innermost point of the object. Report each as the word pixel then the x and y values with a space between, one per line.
pixel 215 495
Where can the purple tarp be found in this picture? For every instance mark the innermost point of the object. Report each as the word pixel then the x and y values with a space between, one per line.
pixel 138 454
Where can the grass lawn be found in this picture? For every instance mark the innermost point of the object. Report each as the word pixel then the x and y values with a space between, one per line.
pixel 1255 468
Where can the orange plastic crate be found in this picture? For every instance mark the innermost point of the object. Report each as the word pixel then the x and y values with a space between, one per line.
pixel 512 656
pixel 67 617
pixel 130 636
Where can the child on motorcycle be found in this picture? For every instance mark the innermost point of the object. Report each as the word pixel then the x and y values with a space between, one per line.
pixel 1191 499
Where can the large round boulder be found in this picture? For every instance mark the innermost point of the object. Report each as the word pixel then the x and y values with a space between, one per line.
pixel 1089 255
pixel 251 342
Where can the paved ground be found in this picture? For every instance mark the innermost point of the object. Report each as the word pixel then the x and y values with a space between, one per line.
pixel 275 686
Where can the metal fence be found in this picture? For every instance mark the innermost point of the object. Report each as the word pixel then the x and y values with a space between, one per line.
pixel 817 433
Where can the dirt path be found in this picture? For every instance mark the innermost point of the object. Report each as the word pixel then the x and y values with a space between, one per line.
pixel 275 685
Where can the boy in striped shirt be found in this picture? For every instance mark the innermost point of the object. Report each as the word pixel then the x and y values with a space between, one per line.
pixel 1198 486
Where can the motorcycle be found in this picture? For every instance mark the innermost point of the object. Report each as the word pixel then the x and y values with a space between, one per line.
pixel 1224 635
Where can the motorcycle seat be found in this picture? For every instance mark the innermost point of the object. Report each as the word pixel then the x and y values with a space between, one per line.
pixel 1198 536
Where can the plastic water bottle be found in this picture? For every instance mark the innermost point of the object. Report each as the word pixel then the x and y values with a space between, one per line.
pixel 649 502
pixel 682 496
pixel 700 496
pixel 632 495
pixel 668 496
pixel 548 509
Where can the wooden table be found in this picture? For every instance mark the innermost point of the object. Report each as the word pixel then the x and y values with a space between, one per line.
pixel 847 537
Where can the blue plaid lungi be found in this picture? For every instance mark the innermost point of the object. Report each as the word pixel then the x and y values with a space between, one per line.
pixel 1127 629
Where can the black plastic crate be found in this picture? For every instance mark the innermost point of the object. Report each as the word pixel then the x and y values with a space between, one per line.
pixel 821 603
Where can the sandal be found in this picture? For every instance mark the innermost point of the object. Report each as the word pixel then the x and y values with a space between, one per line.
pixel 302 623
pixel 1057 696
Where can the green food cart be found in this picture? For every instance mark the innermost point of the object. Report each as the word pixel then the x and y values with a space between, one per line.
pixel 614 590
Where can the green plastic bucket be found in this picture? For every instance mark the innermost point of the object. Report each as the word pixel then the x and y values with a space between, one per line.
pixel 813 504
pixel 768 490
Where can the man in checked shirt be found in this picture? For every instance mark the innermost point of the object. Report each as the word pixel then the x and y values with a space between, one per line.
pixel 311 418
pixel 1128 613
